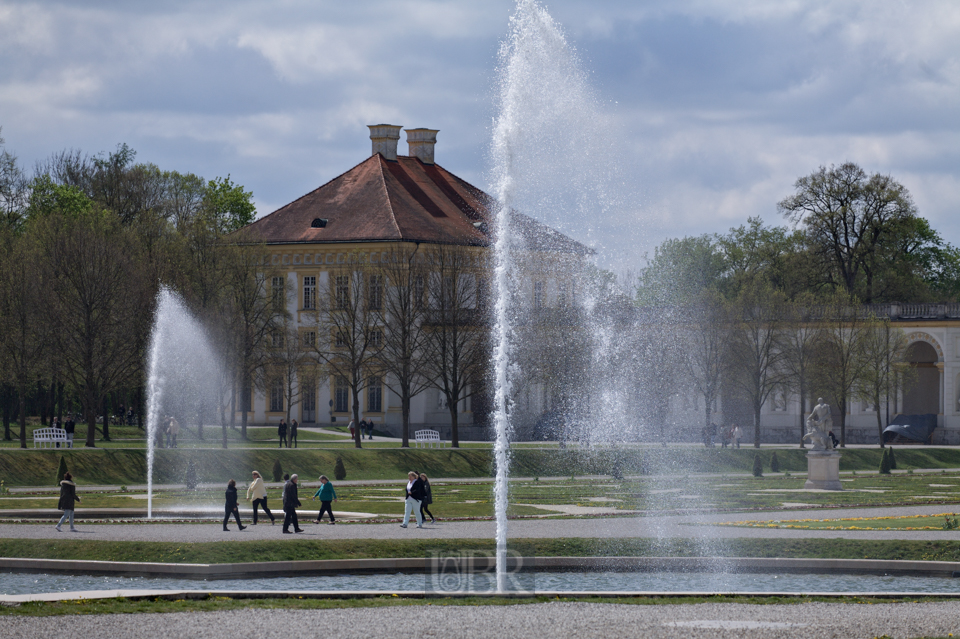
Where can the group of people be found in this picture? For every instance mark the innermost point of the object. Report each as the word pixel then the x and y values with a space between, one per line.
pixel 366 428
pixel 288 434
pixel 729 436
pixel 167 431
pixel 417 498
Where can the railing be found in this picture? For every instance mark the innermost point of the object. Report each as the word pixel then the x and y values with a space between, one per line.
pixel 916 311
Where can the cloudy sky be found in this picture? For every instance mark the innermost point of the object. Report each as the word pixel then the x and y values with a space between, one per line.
pixel 715 106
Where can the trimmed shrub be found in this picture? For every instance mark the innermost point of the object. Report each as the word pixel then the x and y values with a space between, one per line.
pixel 757 465
pixel 190 477
pixel 61 470
pixel 893 458
pixel 774 463
pixel 339 471
pixel 885 462
pixel 277 471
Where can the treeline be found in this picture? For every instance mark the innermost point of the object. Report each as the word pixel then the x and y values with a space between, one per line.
pixel 849 231
pixel 85 243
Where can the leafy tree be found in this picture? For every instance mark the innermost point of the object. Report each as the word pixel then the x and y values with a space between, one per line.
pixel 277 470
pixel 885 462
pixel 14 189
pixel 228 204
pixel 61 469
pixel 339 470
pixel 680 271
pixel 798 341
pixel 883 351
pixel 706 343
pixel 757 465
pixel 774 463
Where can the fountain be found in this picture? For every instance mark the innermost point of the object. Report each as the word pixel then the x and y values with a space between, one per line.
pixel 183 373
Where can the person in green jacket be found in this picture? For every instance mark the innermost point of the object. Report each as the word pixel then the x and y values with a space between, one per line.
pixel 326 494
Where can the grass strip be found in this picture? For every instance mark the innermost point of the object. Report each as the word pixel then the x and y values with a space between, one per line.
pixel 306 550
pixel 214 603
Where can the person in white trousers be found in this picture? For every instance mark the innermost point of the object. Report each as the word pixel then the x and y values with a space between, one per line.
pixel 414 495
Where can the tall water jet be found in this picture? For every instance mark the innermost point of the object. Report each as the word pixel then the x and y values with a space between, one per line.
pixel 183 373
pixel 546 118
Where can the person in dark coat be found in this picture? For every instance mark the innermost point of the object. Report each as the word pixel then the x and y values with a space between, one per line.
pixel 70 427
pixel 293 433
pixel 413 496
pixel 427 500
pixel 230 507
pixel 290 504
pixel 282 432
pixel 68 496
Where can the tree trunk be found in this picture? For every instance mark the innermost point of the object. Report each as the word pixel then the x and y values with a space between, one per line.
pixel 6 396
pixel 405 413
pixel 879 420
pixel 843 424
pixel 244 408
pixel 454 425
pixel 757 406
pixel 803 412
pixel 357 435
pixel 42 403
pixel 23 416
pixel 91 413
pixel 60 393
pixel 106 417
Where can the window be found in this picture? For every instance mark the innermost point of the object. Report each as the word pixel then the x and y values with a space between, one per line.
pixel 418 292
pixel 343 291
pixel 562 295
pixel 340 340
pixel 309 292
pixel 309 339
pixel 538 295
pixel 341 395
pixel 482 294
pixel 276 396
pixel 375 338
pixel 375 292
pixel 278 293
pixel 780 401
pixel 276 339
pixel 447 302
pixel 374 395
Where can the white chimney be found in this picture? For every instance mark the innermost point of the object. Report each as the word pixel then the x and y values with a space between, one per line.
pixel 421 143
pixel 385 138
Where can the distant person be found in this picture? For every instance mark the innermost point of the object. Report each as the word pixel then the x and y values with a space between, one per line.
pixel 370 429
pixel 70 427
pixel 325 494
pixel 713 434
pixel 173 429
pixel 737 435
pixel 411 503
pixel 230 507
pixel 282 432
pixel 427 500
pixel 352 428
pixel 833 438
pixel 57 425
pixel 162 432
pixel 291 502
pixel 293 433
pixel 258 491
pixel 68 497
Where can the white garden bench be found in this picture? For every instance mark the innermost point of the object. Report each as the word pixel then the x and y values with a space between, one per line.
pixel 428 438
pixel 52 436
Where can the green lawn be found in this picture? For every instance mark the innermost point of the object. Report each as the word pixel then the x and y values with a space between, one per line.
pixel 941 521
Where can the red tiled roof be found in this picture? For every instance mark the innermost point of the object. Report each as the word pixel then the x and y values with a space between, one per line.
pixel 406 200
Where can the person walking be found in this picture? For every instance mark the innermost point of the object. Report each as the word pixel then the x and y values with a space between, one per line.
pixel 230 507
pixel 294 425
pixel 737 434
pixel 68 496
pixel 70 427
pixel 290 504
pixel 427 499
pixel 258 491
pixel 326 494
pixel 173 429
pixel 413 497
pixel 370 429
pixel 282 432
pixel 351 427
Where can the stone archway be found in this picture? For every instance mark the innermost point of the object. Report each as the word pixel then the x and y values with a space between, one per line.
pixel 921 395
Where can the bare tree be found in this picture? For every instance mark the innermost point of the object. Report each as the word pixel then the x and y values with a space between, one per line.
pixel 706 341
pixel 402 313
pixel 884 350
pixel 839 362
pixel 290 361
pixel 755 350
pixel 456 333
pixel 799 338
pixel 349 335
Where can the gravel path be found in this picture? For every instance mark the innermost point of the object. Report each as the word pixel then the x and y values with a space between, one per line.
pixel 580 620
pixel 664 527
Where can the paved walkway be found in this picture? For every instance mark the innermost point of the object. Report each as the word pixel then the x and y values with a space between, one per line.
pixel 681 526
pixel 556 619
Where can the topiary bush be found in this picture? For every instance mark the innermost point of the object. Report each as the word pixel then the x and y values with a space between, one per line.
pixel 338 470
pixel 893 459
pixel 757 465
pixel 61 470
pixel 277 471
pixel 774 463
pixel 885 462
pixel 190 477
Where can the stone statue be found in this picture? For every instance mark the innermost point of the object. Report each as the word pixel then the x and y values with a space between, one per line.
pixel 819 424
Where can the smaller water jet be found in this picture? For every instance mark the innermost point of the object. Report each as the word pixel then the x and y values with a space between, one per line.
pixel 183 373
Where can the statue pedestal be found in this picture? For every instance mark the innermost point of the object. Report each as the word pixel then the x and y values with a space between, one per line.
pixel 823 470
